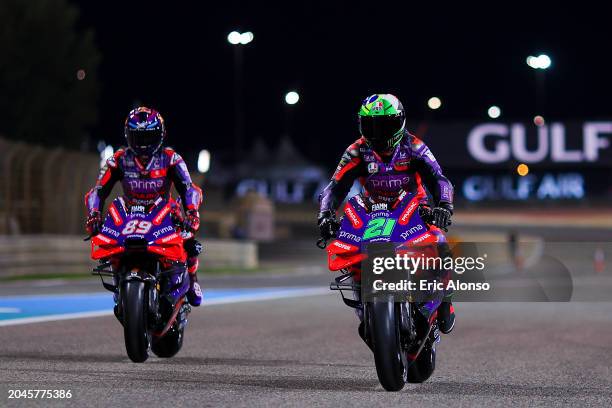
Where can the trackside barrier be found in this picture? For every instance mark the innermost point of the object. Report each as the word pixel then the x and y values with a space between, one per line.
pixel 42 189
pixel 22 255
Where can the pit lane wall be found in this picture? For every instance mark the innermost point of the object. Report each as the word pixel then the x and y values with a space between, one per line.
pixel 38 255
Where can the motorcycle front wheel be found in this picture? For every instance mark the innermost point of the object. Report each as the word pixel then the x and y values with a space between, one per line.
pixel 383 322
pixel 135 321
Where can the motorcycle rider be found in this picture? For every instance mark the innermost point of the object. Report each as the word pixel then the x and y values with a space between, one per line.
pixel 147 170
pixel 388 160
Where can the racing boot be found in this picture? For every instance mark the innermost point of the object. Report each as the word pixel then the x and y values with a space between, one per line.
pixel 194 296
pixel 446 317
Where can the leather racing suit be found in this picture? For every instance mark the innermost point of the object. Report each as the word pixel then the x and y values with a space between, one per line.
pixel 144 183
pixel 410 168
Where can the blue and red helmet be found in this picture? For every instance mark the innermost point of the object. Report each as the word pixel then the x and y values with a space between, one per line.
pixel 144 131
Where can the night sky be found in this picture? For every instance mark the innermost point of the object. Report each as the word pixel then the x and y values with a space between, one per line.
pixel 176 58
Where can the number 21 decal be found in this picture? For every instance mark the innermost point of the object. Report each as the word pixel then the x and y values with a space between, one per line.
pixel 379 227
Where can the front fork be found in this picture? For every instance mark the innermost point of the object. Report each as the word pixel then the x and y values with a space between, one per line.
pixel 151 292
pixel 413 338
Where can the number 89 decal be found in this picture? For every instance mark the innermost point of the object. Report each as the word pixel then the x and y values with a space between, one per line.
pixel 136 227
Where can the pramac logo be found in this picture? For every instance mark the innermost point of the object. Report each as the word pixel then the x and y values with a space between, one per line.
pixel 405 217
pixel 352 216
pixel 115 215
pixel 162 214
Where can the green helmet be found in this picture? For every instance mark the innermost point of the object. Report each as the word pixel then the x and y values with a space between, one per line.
pixel 382 121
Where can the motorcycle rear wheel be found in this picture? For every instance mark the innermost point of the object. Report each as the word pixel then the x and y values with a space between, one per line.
pixel 135 330
pixel 383 319
pixel 169 345
pixel 423 367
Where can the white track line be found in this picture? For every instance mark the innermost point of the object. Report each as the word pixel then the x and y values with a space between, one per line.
pixel 280 294
pixel 52 318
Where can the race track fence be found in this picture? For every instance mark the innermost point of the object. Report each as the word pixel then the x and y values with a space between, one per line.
pixel 42 189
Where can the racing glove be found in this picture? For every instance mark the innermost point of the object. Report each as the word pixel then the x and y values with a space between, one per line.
pixel 328 225
pixel 192 220
pixel 441 217
pixel 193 247
pixel 94 220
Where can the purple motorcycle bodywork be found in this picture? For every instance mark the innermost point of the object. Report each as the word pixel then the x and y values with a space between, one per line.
pixel 160 226
pixel 377 221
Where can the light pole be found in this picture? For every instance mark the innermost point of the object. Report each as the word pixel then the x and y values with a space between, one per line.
pixel 291 98
pixel 540 64
pixel 239 40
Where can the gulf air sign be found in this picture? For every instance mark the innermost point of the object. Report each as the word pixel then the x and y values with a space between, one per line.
pixel 496 143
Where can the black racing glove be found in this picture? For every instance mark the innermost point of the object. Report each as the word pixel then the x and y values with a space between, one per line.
pixel 193 247
pixel 441 217
pixel 328 225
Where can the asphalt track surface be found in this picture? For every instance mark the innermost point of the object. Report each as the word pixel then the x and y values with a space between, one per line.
pixel 304 351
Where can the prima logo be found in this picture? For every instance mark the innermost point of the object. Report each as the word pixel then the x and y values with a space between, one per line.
pixel 348 235
pixel 146 184
pixel 166 229
pixel 411 231
pixel 110 231
pixel 394 183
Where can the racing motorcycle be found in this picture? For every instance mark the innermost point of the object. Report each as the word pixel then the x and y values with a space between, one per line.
pixel 142 261
pixel 401 332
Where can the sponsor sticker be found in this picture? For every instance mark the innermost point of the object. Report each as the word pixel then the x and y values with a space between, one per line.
pixel 405 217
pixel 162 214
pixel 379 206
pixel 352 216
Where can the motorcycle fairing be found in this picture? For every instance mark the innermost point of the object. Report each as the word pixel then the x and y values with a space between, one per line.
pixel 154 227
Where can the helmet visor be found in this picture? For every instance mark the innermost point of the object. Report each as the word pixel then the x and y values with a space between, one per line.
pixel 379 131
pixel 144 141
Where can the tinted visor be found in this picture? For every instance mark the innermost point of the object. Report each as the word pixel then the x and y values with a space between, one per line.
pixel 144 141
pixel 379 130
